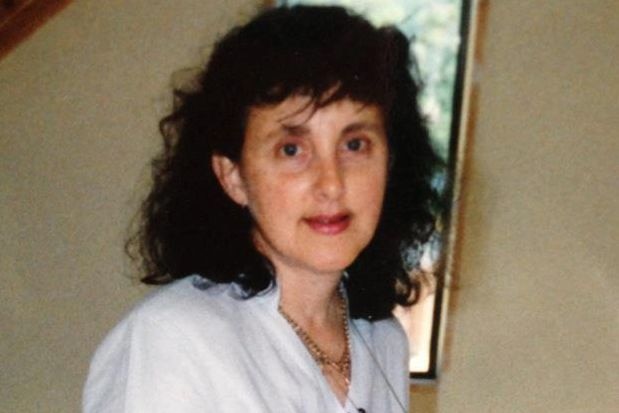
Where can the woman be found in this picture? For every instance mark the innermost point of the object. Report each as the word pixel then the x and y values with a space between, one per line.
pixel 290 181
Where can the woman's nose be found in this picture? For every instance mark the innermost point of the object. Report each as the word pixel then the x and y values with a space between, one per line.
pixel 330 179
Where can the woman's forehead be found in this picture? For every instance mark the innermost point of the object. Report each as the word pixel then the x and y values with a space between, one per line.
pixel 297 110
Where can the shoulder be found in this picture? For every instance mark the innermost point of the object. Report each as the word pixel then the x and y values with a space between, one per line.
pixel 186 299
pixel 384 345
pixel 168 341
pixel 179 317
pixel 190 307
pixel 385 335
pixel 388 328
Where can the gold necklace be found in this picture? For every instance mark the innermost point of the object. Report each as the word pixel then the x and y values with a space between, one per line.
pixel 341 366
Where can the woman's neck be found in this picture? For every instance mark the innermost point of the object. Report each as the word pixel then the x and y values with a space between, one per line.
pixel 311 299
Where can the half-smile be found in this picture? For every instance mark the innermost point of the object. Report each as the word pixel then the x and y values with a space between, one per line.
pixel 329 224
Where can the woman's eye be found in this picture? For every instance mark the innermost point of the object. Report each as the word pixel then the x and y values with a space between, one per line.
pixel 356 144
pixel 290 149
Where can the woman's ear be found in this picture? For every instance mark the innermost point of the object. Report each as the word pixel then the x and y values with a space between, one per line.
pixel 230 179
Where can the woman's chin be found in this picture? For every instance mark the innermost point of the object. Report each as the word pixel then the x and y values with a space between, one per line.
pixel 333 264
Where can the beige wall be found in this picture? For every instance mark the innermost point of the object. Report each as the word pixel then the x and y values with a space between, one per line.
pixel 536 320
pixel 79 103
pixel 535 326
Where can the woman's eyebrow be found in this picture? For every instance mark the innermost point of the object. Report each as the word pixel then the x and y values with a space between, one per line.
pixel 295 130
pixel 360 126
pixel 285 130
pixel 304 130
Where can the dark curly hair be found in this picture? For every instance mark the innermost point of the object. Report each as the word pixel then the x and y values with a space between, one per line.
pixel 189 225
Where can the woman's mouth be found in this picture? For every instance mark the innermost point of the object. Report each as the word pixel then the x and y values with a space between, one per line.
pixel 329 224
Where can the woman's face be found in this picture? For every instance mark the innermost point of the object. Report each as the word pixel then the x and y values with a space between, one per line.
pixel 313 180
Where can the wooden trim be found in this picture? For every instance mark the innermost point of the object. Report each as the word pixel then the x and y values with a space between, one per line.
pixel 24 18
pixel 470 111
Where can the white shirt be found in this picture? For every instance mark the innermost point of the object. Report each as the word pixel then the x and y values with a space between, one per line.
pixel 195 347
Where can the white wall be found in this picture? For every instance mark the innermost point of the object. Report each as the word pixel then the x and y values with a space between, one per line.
pixel 536 320
pixel 79 104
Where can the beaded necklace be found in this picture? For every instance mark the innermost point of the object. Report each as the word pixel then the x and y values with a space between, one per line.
pixel 341 366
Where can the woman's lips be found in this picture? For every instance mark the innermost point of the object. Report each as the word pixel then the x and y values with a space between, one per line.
pixel 329 224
